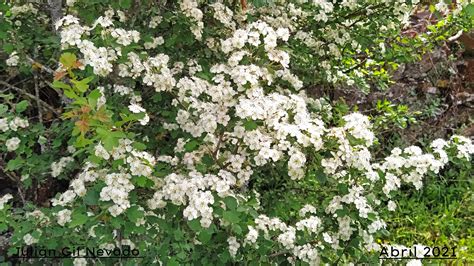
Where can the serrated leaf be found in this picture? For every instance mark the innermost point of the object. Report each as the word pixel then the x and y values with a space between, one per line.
pixel 68 60
pixel 70 94
pixel 140 181
pixel 82 125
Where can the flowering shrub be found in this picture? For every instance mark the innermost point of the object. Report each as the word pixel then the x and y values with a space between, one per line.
pixel 182 123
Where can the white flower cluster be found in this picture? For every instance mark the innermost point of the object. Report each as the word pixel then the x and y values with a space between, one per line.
pixel 223 14
pixel 191 10
pixel 155 21
pixel 154 43
pixel 13 124
pixel 29 239
pixel 117 189
pixel 64 216
pixel 410 164
pixel 125 37
pixel 12 144
pixel 100 58
pixel 193 192
pixel 57 167
pixel 233 246
pixel 335 37
pixel 13 59
pixel 39 216
pixel 287 236
pixel 23 9
pixel 118 185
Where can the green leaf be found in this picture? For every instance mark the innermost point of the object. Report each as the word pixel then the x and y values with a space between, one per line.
pixel 70 94
pixel 15 164
pixel 250 125
pixel 469 9
pixel 21 106
pixel 140 181
pixel 3 109
pixel 134 213
pixel 237 229
pixel 68 60
pixel 172 262
pixel 231 216
pixel 231 203
pixel 205 236
pixel 110 142
pixel 92 197
pixel 60 85
pixel 125 4
pixel 77 219
pixel 81 85
pixel 191 146
pixel 195 225
pixel 139 146
pixel 93 97
pixel 207 160
pixel 321 176
pixel 8 48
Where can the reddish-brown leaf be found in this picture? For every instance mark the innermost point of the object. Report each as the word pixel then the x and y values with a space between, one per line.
pixel 83 126
pixel 59 75
pixel 85 109
pixel 244 4
pixel 77 64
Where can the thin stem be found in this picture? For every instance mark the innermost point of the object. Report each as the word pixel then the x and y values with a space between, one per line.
pixel 45 104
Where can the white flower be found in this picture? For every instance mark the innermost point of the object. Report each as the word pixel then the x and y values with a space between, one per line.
pixel 307 209
pixel 233 246
pixel 13 60
pixel 135 108
pixel 4 200
pixel 414 263
pixel 391 206
pixel 252 235
pixel 80 262
pixel 4 124
pixel 70 2
pixel 29 239
pixel 327 238
pixel 101 152
pixel 12 144
pixel 57 167
pixel 64 217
